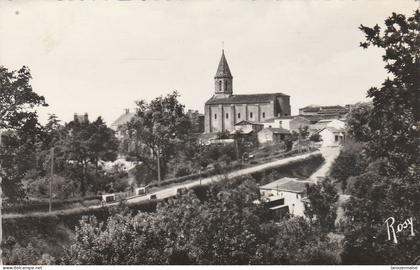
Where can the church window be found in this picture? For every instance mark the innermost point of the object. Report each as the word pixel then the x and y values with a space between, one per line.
pixel 263 114
pixel 227 116
pixel 215 116
pixel 220 85
pixel 226 85
pixel 250 115
pixel 239 115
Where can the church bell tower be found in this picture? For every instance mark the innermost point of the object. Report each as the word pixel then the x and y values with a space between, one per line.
pixel 223 80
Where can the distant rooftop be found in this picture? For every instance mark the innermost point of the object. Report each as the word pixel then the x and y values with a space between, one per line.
pixel 123 119
pixel 278 130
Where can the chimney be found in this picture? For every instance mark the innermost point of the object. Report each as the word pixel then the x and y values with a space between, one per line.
pixel 127 111
pixel 75 117
pixel 86 117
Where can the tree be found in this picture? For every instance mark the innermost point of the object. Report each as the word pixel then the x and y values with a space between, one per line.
pixel 19 118
pixel 396 111
pixel 83 144
pixel 226 227
pixel 156 130
pixel 350 162
pixel 322 206
pixel 17 98
pixel 358 121
pixel 389 186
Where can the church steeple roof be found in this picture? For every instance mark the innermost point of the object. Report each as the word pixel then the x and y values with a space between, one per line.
pixel 223 70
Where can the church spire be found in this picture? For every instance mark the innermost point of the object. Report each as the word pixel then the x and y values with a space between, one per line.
pixel 223 70
pixel 223 79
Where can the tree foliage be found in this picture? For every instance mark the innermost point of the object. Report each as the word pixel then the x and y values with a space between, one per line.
pixel 322 209
pixel 19 128
pixel 226 228
pixel 351 161
pixel 389 187
pixel 157 128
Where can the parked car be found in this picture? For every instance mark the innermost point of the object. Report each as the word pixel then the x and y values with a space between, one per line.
pixel 142 191
pixel 153 197
pixel 108 198
pixel 181 191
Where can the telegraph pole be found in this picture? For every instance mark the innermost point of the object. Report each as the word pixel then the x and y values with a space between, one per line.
pixel 1 201
pixel 158 165
pixel 51 178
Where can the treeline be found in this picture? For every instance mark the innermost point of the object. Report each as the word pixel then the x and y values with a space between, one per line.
pixel 225 228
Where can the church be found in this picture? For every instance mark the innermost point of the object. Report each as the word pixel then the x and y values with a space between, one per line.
pixel 224 109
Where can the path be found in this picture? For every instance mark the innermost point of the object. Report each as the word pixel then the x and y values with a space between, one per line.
pixel 329 154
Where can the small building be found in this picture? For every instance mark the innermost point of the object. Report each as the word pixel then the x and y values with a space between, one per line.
pixel 273 135
pixel 337 111
pixel 286 192
pixel 81 118
pixel 298 122
pixel 321 124
pixel 247 127
pixel 207 138
pixel 331 136
pixel 278 122
pixel 121 121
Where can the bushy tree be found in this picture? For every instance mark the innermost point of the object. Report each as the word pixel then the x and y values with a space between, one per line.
pixel 19 128
pixel 81 145
pixel 156 130
pixel 358 120
pixel 225 228
pixel 390 185
pixel 322 206
pixel 351 161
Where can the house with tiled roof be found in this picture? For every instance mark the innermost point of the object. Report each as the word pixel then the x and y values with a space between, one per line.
pixel 224 109
pixel 286 192
pixel 331 136
pixel 121 121
pixel 273 135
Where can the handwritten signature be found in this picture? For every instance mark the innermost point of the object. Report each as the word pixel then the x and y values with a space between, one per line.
pixel 392 233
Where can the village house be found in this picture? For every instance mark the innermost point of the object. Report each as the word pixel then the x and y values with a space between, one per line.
pixel 331 136
pixel 321 124
pixel 273 135
pixel 286 193
pixel 121 121
pixel 247 127
pixel 298 122
pixel 278 122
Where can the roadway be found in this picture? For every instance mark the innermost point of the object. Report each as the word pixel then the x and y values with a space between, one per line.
pixel 172 191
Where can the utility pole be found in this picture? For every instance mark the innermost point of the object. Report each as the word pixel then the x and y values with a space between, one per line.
pixel 158 164
pixel 51 178
pixel 1 201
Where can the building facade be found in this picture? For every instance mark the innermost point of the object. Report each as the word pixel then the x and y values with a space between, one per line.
pixel 224 109
pixel 288 193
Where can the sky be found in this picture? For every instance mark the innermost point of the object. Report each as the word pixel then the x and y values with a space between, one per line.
pixel 101 56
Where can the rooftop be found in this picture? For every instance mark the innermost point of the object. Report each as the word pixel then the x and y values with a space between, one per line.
pixel 246 122
pixel 278 130
pixel 123 119
pixel 294 185
pixel 241 99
